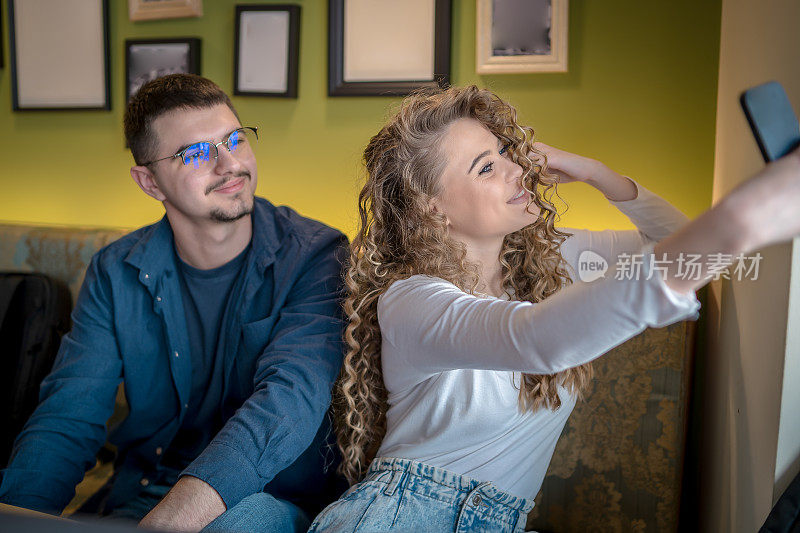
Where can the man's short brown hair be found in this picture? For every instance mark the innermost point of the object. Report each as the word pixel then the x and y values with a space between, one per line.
pixel 161 95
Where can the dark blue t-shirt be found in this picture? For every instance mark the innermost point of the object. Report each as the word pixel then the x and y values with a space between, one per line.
pixel 206 300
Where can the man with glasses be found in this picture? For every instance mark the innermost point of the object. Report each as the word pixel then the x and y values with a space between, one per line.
pixel 222 321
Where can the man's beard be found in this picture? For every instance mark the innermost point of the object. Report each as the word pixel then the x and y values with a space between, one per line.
pixel 242 208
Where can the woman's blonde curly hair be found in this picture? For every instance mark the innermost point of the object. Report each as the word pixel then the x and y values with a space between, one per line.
pixel 401 235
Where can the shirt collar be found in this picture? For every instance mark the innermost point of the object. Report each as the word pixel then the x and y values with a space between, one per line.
pixel 154 253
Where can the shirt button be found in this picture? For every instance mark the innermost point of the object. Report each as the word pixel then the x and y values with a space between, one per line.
pixel 476 500
pixel 144 482
pixel 158 298
pixel 159 450
pixel 186 405
pixel 176 354
pixel 147 276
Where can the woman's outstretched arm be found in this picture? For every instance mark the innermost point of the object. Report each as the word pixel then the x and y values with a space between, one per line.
pixel 761 211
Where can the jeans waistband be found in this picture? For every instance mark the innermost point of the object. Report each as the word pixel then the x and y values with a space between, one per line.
pixel 404 470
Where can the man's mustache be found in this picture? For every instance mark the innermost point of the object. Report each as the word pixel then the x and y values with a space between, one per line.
pixel 217 185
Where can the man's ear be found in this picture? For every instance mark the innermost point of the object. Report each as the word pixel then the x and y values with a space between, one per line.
pixel 146 181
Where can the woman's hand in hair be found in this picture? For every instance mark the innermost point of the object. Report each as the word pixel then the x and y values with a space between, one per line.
pixel 569 167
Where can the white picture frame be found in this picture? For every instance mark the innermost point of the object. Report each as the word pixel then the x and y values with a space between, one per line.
pixel 529 42
pixel 139 10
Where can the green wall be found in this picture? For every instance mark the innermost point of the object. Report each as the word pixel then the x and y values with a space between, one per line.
pixel 640 95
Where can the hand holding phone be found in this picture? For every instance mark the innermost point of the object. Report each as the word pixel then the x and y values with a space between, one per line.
pixel 772 120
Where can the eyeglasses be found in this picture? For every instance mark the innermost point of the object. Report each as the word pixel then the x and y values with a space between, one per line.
pixel 200 153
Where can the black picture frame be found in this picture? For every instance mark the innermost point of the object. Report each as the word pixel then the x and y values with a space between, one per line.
pixel 189 65
pixel 337 86
pixel 2 50
pixel 241 61
pixel 17 99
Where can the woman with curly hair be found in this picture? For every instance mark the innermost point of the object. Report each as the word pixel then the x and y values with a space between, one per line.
pixel 469 336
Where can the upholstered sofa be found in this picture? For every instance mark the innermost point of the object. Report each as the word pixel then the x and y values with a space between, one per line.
pixel 618 465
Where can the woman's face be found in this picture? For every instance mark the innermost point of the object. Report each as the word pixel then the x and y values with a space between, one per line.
pixel 482 195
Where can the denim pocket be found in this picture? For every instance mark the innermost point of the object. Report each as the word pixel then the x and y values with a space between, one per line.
pixel 377 481
pixel 346 513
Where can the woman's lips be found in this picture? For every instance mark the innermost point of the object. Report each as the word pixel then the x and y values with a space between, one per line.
pixel 523 199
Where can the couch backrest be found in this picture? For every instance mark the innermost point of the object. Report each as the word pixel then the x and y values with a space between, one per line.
pixel 62 253
pixel 618 464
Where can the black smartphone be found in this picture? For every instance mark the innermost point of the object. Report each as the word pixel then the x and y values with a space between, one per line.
pixel 772 119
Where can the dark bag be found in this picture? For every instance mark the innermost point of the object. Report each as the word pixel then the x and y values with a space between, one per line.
pixel 785 516
pixel 34 314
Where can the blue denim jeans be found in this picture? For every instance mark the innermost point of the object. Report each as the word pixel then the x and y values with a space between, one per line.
pixel 260 512
pixel 403 495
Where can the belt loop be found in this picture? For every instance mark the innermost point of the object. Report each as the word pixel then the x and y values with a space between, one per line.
pixel 397 478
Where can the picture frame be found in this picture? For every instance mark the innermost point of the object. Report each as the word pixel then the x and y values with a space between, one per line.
pixel 148 59
pixel 139 10
pixel 59 55
pixel 363 33
pixel 521 36
pixel 266 50
pixel 2 39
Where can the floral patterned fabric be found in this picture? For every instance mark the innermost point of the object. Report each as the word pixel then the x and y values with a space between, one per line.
pixel 617 466
pixel 62 253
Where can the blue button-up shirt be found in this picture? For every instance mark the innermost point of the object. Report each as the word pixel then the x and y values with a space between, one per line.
pixel 284 352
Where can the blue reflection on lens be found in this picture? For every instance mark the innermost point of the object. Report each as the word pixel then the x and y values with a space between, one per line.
pixel 196 154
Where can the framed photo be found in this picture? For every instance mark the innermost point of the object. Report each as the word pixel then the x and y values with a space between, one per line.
pixel 164 9
pixel 519 36
pixel 386 47
pixel 266 50
pixel 59 54
pixel 149 59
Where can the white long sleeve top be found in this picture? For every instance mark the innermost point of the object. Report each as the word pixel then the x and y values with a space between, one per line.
pixel 452 361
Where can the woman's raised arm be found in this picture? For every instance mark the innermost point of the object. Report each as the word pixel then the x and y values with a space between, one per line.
pixel 653 216
pixel 432 326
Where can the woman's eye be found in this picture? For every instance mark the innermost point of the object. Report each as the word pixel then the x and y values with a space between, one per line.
pixel 505 148
pixel 486 168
